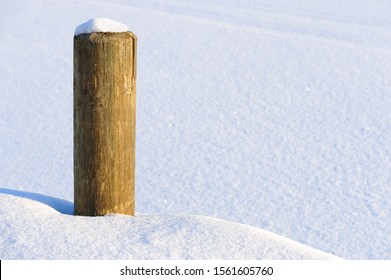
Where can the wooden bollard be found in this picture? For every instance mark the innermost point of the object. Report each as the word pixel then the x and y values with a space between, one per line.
pixel 104 123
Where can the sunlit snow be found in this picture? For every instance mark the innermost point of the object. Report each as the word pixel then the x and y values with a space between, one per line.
pixel 100 25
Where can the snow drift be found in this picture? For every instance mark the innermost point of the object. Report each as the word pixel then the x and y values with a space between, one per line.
pixel 34 230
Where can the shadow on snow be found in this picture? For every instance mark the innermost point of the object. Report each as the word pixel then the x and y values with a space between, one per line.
pixel 61 205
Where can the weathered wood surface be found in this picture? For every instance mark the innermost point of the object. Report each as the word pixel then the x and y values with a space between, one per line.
pixel 104 123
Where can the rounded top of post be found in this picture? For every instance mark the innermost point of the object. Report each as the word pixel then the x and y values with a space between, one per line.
pixel 100 25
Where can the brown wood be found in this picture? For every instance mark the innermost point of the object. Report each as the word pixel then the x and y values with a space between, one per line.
pixel 104 123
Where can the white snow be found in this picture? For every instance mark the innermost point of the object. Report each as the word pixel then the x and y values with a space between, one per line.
pixel 49 234
pixel 100 25
pixel 274 115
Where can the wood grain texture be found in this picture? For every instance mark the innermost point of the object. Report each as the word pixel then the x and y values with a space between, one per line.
pixel 104 123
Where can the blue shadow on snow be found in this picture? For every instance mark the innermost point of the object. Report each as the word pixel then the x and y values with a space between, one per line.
pixel 61 205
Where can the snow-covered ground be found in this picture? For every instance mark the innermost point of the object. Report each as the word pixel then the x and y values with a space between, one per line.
pixel 273 114
pixel 34 230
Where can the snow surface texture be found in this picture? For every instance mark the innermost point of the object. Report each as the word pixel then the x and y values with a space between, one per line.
pixel 49 234
pixel 100 25
pixel 274 114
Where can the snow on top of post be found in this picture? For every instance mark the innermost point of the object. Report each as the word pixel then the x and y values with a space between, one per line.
pixel 100 25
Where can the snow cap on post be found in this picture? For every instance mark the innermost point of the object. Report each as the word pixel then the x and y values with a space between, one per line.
pixel 100 25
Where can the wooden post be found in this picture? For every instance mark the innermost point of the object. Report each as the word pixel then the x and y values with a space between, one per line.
pixel 104 123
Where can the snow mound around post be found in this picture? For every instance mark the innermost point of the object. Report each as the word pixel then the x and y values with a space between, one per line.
pixel 33 229
pixel 100 25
